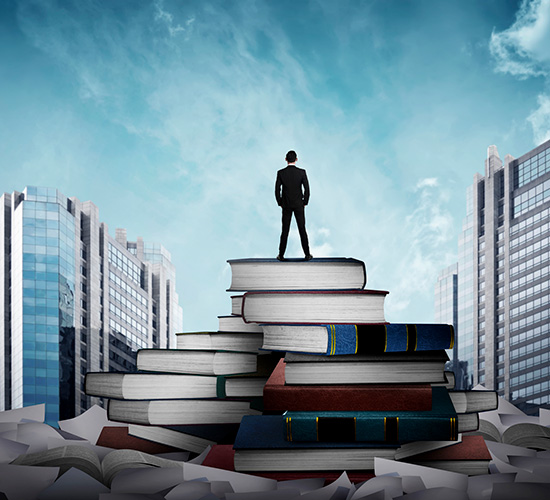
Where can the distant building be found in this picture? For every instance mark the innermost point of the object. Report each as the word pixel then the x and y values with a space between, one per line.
pixel 73 299
pixel 503 304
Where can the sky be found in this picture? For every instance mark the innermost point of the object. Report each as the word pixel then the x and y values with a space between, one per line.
pixel 173 117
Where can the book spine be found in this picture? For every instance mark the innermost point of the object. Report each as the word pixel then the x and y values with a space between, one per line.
pixel 392 337
pixel 372 428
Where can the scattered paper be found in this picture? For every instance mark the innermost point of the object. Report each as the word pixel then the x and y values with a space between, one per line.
pixel 432 478
pixel 189 490
pixel 328 491
pixel 74 484
pixel 287 494
pixel 22 482
pixel 391 486
pixel 10 450
pixel 516 491
pixel 304 485
pixel 439 493
pixel 35 413
pixel 89 424
pixel 544 417
pixel 151 480
pixel 240 482
pixel 481 487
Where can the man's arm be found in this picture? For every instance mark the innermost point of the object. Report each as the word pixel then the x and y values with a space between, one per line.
pixel 305 183
pixel 278 184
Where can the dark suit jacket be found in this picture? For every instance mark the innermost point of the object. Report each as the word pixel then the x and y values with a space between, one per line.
pixel 288 187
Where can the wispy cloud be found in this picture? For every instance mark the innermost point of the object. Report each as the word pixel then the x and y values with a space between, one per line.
pixel 523 50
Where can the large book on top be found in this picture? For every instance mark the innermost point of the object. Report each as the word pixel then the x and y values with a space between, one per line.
pixel 170 386
pixel 314 306
pixel 297 274
pixel 279 397
pixel 438 423
pixel 340 339
pixel 261 446
pixel 420 367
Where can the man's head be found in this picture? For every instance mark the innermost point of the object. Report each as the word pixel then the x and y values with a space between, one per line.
pixel 291 157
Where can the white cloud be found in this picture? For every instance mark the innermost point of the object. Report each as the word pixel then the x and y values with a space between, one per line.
pixel 428 182
pixel 522 49
pixel 540 120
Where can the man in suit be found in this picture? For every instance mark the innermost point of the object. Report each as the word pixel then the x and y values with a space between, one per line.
pixel 289 195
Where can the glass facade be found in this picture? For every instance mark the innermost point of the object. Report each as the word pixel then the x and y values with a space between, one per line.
pixel 48 232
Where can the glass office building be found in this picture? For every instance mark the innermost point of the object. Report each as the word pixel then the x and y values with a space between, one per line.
pixel 73 299
pixel 504 279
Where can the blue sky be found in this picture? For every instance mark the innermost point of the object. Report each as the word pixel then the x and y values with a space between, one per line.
pixel 174 116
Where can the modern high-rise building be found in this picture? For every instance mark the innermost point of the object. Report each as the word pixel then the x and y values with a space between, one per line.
pixel 503 304
pixel 74 299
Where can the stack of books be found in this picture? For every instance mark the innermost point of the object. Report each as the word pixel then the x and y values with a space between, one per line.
pixel 351 387
pixel 193 396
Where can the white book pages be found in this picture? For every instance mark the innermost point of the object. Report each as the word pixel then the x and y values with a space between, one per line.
pixel 74 484
pixel 35 413
pixel 432 478
pixel 391 486
pixel 24 482
pixel 240 482
pixel 146 481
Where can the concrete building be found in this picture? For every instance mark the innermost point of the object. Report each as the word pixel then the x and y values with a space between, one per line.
pixel 504 278
pixel 74 299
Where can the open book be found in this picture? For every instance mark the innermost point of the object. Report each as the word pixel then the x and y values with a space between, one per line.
pixel 85 459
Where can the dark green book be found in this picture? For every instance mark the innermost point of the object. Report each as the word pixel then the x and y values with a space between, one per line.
pixel 438 424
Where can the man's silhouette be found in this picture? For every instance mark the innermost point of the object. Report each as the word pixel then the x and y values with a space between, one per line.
pixel 289 195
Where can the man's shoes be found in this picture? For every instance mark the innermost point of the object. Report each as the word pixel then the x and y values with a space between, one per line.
pixel 309 256
pixel 280 257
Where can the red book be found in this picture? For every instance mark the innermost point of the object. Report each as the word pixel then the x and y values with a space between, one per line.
pixel 221 457
pixel 279 397
pixel 470 456
pixel 119 439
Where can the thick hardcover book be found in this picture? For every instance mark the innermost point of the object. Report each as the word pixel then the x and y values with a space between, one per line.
pixel 279 397
pixel 221 456
pixel 297 274
pixel 219 341
pixel 179 411
pixel 260 446
pixel 333 339
pixel 235 323
pixel 314 306
pixel 196 362
pixel 471 457
pixel 383 368
pixel 171 386
pixel 120 438
pixel 439 423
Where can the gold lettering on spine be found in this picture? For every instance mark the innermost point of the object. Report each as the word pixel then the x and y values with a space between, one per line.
pixel 317 428
pixel 386 340
pixel 288 429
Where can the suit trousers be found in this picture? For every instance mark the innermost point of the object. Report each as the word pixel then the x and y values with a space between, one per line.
pixel 299 215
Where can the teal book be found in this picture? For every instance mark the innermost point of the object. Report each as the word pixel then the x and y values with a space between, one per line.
pixel 340 339
pixel 438 424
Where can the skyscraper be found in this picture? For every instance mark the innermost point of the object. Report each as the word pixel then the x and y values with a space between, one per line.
pixel 504 278
pixel 73 299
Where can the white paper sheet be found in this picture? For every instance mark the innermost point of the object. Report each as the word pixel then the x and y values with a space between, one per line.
pixel 432 478
pixel 304 485
pixel 503 451
pixel 544 417
pixel 326 492
pixel 36 413
pixel 240 482
pixel 287 494
pixel 72 485
pixel 520 491
pixel 189 490
pixel 89 424
pixel 22 482
pixel 150 480
pixel 439 493
pixel 481 487
pixel 391 486
pixel 199 459
pixel 10 450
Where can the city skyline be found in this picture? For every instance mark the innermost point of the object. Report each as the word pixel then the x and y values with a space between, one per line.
pixel 174 118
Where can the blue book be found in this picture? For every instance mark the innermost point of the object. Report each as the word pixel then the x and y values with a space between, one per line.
pixel 342 339
pixel 438 424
